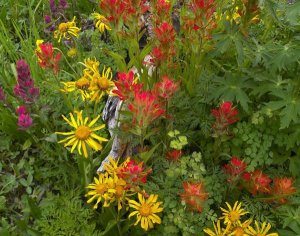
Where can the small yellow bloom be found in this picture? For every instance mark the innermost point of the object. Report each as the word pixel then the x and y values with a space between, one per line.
pixel 233 214
pixel 101 189
pixel 83 134
pixel 260 230
pixel 218 230
pixel 80 87
pixel 101 22
pixel 72 52
pixel 101 84
pixel 146 211
pixel 66 30
pixel 91 66
pixel 113 166
pixel 38 43
pixel 240 229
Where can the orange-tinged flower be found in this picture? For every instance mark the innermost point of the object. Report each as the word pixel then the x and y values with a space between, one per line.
pixel 46 57
pixel 258 182
pixel 283 187
pixel 174 154
pixel 194 195
pixel 165 88
pixel 234 169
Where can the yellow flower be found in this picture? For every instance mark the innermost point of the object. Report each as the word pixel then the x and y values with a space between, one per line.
pixel 66 30
pixel 83 134
pixel 101 189
pixel 113 166
pixel 240 229
pixel 218 230
pixel 101 84
pixel 120 191
pixel 232 215
pixel 260 230
pixel 146 211
pixel 101 22
pixel 91 66
pixel 38 43
pixel 80 86
pixel 72 52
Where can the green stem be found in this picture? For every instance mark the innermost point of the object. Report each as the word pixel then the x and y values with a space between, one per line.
pixel 117 217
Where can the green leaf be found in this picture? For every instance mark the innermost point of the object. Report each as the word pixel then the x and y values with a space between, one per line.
pixel 145 156
pixel 27 144
pixel 109 226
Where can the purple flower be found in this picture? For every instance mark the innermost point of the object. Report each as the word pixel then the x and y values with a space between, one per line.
pixel 24 121
pixel 63 4
pixel 53 7
pixel 47 19
pixel 21 110
pixel 2 94
pixel 25 89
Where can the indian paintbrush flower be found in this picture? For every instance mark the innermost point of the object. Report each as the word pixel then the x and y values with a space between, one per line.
pixel 2 95
pixel 257 182
pixel 46 56
pixel 24 121
pixel 165 88
pixel 234 169
pixel 194 195
pixel 282 188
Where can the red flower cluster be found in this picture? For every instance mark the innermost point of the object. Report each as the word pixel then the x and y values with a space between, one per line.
pixel 225 115
pixel 174 154
pixel 257 182
pixel 165 48
pixel 46 57
pixel 145 106
pixel 234 169
pixel 161 10
pixel 194 195
pixel 134 173
pixel 123 9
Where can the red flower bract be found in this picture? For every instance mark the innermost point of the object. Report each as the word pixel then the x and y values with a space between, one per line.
pixel 194 195
pixel 166 88
pixel 259 182
pixel 174 154
pixel 46 57
pixel 234 169
pixel 283 187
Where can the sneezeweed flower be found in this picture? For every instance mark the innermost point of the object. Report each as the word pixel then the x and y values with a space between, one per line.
pixel 91 66
pixel 66 30
pixel 234 169
pixel 24 121
pixel 83 134
pixel 72 52
pixel 126 85
pixel 194 195
pixel 233 214
pixel 283 188
pixel 120 193
pixel 101 22
pixel 79 87
pixel 101 190
pixel 146 211
pixel 101 84
pixel 46 57
pixel 260 230
pixel 218 230
pixel 240 228
pixel 257 182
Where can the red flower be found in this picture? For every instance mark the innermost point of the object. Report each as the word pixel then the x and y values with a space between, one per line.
pixel 166 88
pixel 46 57
pixel 174 154
pixel 134 173
pixel 234 169
pixel 283 187
pixel 225 115
pixel 259 182
pixel 126 85
pixel 145 108
pixel 165 33
pixel 194 195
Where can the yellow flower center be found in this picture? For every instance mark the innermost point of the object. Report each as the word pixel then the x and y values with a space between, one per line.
pixel 119 191
pixel 82 83
pixel 145 210
pixel 63 27
pixel 103 83
pixel 239 231
pixel 101 189
pixel 234 216
pixel 82 132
